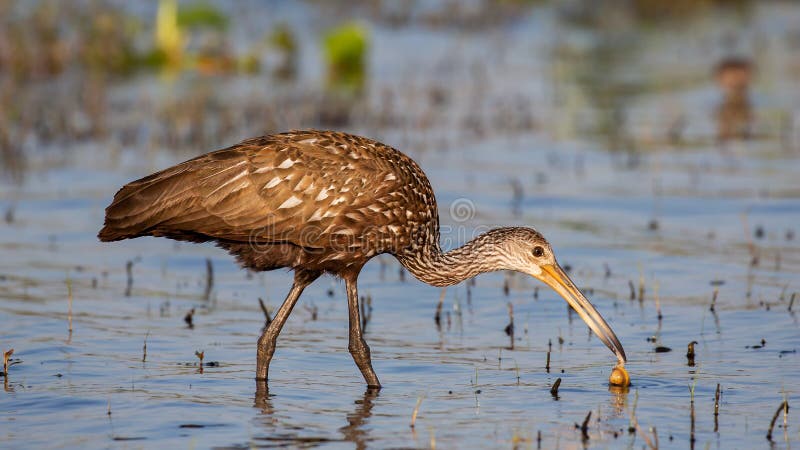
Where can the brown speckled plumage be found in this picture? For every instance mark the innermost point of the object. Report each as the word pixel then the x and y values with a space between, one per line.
pixel 319 202
pixel 325 200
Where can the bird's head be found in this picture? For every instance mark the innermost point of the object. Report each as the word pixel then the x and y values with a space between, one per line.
pixel 526 250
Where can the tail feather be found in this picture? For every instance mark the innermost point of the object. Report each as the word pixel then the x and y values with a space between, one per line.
pixel 108 234
pixel 141 205
pixel 196 200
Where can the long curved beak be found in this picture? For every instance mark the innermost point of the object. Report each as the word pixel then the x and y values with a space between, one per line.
pixel 554 276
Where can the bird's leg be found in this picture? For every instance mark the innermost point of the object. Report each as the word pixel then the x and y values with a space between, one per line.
pixel 358 347
pixel 266 343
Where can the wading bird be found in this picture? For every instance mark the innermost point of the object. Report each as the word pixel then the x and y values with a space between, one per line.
pixel 326 202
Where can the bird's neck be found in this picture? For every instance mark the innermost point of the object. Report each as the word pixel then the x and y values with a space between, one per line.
pixel 432 266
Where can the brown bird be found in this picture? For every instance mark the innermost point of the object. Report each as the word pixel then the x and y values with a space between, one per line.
pixel 326 202
pixel 734 114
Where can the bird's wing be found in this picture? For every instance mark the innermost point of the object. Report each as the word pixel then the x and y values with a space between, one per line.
pixel 310 190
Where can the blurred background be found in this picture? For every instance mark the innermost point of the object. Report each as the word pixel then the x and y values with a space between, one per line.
pixel 631 76
pixel 656 144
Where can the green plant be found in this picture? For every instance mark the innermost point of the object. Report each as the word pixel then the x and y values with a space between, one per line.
pixel 345 49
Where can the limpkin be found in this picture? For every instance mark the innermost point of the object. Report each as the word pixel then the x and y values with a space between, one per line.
pixel 326 202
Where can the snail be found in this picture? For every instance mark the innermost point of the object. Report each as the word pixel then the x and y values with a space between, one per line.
pixel 619 376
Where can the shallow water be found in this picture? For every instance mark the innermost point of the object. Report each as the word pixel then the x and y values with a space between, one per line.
pixel 592 192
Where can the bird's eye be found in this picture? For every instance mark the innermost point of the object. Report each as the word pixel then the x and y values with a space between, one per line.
pixel 538 251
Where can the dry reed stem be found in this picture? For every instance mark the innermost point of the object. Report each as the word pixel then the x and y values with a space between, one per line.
pixel 200 356
pixel 366 310
pixel 658 301
pixel 438 316
pixel 69 303
pixel 554 388
pixel 264 309
pixel 635 425
pixel 209 279
pixel 750 244
pixel 144 347
pixel 189 318
pixel 510 327
pixel 713 306
pixel 129 274
pixel 313 310
pixel 6 357
pixel 785 408
pixel 585 427
pixel 690 353
pixel 416 411
pixel 716 409
pixel 691 414
pixel 641 284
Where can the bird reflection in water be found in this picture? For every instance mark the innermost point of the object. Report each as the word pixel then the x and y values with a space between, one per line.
pixel 262 399
pixel 355 430
pixel 618 401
